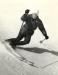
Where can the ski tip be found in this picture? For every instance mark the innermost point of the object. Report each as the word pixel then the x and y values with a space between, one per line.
pixel 6 40
pixel 3 41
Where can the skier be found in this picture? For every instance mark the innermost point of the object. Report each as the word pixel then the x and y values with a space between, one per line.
pixel 29 25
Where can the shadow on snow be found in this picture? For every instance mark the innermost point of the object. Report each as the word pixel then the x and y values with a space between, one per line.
pixel 38 50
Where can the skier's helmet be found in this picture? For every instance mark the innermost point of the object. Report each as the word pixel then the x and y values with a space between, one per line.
pixel 27 11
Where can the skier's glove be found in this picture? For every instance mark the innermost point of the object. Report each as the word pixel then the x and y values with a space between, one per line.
pixel 46 37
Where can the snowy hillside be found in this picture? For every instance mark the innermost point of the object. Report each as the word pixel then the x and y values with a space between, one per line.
pixel 45 60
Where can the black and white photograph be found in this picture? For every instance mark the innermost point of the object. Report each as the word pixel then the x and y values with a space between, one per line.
pixel 28 37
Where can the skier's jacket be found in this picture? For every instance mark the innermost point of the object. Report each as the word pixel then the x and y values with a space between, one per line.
pixel 30 24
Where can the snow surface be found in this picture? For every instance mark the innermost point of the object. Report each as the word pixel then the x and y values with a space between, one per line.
pixel 46 60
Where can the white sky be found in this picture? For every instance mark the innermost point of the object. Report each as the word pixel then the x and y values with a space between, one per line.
pixel 10 23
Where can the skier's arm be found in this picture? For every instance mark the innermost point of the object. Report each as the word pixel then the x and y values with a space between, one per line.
pixel 24 17
pixel 42 29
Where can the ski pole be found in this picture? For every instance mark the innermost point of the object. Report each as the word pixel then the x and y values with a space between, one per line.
pixel 42 40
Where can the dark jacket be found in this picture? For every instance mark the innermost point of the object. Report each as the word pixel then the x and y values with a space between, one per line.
pixel 31 24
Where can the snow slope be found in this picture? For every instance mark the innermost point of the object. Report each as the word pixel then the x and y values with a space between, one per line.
pixel 46 60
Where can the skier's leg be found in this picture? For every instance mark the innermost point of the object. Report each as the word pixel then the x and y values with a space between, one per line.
pixel 26 40
pixel 13 41
pixel 17 39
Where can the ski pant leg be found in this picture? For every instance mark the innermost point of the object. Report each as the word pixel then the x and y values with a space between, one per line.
pixel 25 41
pixel 15 40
